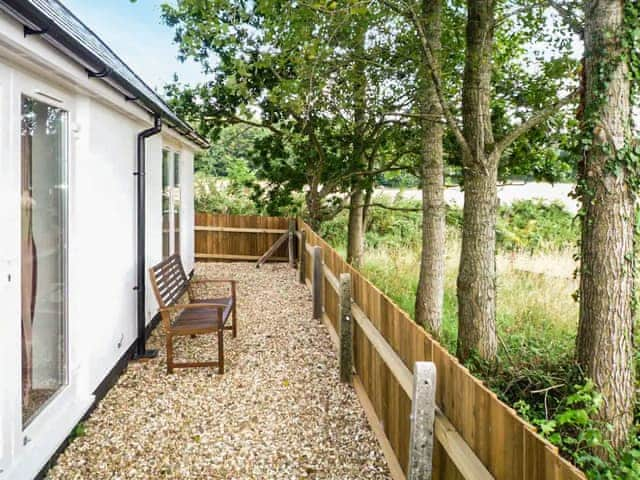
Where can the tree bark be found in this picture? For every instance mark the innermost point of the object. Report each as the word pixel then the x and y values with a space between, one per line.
pixel 314 207
pixel 605 334
pixel 355 241
pixel 430 292
pixel 477 275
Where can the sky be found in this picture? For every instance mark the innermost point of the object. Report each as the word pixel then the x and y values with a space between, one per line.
pixel 135 32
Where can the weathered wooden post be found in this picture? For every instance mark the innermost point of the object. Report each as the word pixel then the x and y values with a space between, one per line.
pixel 346 329
pixel 422 420
pixel 317 281
pixel 292 243
pixel 302 251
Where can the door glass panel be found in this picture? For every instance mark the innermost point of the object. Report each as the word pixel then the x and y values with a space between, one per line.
pixel 166 203
pixel 43 253
pixel 176 202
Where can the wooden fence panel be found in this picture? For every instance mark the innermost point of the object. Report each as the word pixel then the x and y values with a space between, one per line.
pixel 507 446
pixel 235 237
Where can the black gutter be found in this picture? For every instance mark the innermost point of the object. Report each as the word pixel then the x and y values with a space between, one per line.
pixel 36 20
pixel 141 348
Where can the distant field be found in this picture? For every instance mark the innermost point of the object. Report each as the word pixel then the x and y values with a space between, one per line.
pixel 507 193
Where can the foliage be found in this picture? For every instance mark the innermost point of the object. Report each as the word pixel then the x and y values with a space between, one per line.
pixel 230 153
pixel 80 430
pixel 211 196
pixel 524 225
pixel 536 225
pixel 577 432
pixel 326 95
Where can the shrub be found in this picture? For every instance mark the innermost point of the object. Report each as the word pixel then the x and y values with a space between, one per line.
pixel 534 225
pixel 211 195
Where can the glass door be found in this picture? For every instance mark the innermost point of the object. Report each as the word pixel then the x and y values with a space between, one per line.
pixel 44 195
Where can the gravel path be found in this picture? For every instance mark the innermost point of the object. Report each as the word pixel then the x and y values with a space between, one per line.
pixel 279 411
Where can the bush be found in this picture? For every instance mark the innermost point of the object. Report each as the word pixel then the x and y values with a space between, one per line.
pixel 211 195
pixel 577 432
pixel 535 226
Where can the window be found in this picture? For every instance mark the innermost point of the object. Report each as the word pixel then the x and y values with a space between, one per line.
pixel 170 203
pixel 43 254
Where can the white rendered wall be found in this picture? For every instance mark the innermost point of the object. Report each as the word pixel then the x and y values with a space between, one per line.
pixel 105 215
pixel 102 237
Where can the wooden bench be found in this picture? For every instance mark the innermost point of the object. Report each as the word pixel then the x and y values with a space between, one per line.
pixel 198 316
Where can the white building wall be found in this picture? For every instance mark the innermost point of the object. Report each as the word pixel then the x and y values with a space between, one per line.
pixel 105 217
pixel 102 238
pixel 154 214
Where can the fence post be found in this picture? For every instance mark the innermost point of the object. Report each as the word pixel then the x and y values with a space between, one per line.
pixel 346 329
pixel 302 251
pixel 291 246
pixel 317 281
pixel 422 419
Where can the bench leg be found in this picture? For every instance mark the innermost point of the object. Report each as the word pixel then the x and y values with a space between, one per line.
pixel 233 320
pixel 169 353
pixel 233 311
pixel 220 351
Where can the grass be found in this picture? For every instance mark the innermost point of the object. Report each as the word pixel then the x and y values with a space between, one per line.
pixel 536 314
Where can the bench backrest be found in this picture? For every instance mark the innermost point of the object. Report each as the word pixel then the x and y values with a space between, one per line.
pixel 169 281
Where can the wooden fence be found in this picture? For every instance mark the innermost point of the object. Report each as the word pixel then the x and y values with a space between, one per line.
pixel 477 436
pixel 235 237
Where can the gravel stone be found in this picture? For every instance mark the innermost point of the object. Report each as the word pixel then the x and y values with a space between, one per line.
pixel 278 412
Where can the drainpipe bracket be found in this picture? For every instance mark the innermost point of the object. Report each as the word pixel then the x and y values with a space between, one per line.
pixel 32 31
pixel 105 72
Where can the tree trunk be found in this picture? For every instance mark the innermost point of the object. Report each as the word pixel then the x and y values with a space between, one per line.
pixel 605 334
pixel 367 206
pixel 314 207
pixel 430 292
pixel 477 275
pixel 355 241
pixel 355 236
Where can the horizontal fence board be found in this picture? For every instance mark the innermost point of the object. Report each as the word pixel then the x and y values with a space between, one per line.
pixel 221 256
pixel 245 237
pixel 239 230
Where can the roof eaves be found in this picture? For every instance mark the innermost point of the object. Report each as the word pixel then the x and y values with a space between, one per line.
pixel 60 26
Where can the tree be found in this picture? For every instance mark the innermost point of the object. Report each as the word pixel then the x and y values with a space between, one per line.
pixel 492 42
pixel 322 93
pixel 430 291
pixel 608 182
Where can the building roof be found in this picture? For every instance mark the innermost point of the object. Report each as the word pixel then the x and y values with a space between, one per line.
pixel 58 25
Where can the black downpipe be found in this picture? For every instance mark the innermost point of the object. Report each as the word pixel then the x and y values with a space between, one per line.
pixel 141 348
